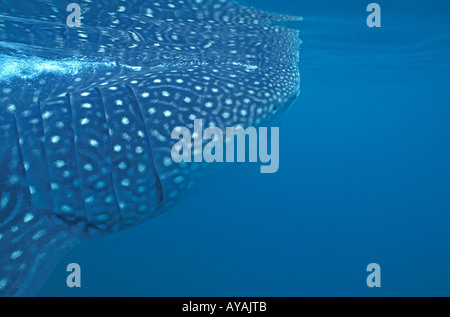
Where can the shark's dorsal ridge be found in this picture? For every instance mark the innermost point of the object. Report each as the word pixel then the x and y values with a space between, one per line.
pixel 87 113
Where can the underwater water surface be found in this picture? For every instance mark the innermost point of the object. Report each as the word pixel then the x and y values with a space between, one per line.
pixel 363 178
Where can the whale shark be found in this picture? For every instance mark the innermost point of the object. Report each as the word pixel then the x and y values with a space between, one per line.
pixel 87 111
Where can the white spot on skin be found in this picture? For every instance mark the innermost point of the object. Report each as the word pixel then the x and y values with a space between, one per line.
pixel 16 254
pixel 173 194
pixel 100 185
pixel 141 189
pixel 102 217
pixel 141 168
pixel 13 179
pixel 88 167
pixel 4 201
pixel 3 283
pixel 46 115
pixel 28 217
pixel 66 208
pixel 179 179
pixel 167 161
pixel 93 143
pixel 39 234
pixel 55 139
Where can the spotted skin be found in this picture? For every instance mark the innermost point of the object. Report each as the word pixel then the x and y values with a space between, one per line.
pixel 86 114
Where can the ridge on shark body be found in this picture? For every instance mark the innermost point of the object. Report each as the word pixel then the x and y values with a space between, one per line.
pixel 86 113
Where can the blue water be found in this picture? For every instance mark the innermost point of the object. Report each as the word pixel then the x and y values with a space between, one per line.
pixel 363 178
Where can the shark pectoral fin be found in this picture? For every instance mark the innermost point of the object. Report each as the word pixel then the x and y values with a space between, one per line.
pixel 31 247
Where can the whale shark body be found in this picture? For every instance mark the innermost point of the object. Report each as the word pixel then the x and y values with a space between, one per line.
pixel 86 113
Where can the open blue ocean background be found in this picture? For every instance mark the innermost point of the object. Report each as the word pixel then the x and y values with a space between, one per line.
pixel 364 177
